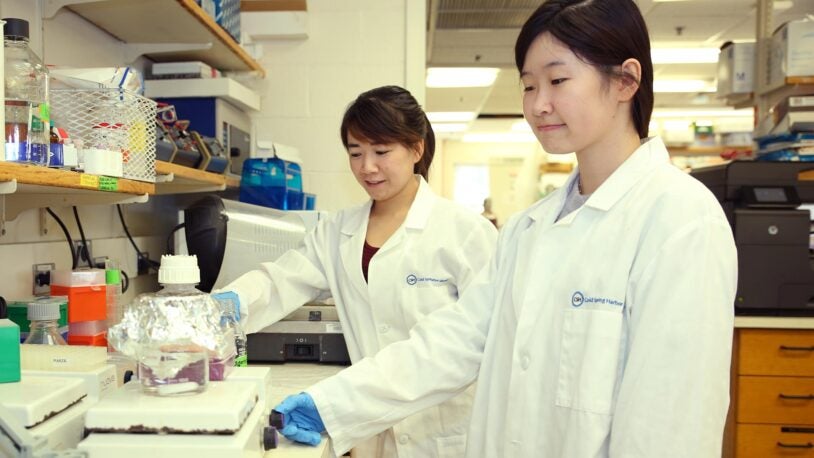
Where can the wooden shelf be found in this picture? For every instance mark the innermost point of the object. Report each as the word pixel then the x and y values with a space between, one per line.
pixel 795 85
pixel 23 187
pixel 704 150
pixel 165 24
pixel 177 179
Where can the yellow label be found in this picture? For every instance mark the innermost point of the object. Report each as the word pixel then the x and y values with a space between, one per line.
pixel 89 181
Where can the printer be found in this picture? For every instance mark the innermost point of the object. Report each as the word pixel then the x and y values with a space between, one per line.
pixel 764 202
pixel 230 238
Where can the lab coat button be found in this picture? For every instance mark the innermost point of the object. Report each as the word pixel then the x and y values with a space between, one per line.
pixel 524 362
pixel 384 328
pixel 403 439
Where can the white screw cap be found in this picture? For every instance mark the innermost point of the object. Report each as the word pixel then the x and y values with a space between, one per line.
pixel 43 310
pixel 179 269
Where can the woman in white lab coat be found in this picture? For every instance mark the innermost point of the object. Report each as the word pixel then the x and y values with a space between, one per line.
pixel 603 325
pixel 387 263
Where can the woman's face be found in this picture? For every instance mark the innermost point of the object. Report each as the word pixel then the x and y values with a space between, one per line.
pixel 383 170
pixel 567 103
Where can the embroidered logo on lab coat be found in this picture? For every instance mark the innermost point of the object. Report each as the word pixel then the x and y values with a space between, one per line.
pixel 578 300
pixel 413 280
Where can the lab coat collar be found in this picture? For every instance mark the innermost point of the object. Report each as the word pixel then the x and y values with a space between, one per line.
pixel 649 155
pixel 417 216
pixel 420 210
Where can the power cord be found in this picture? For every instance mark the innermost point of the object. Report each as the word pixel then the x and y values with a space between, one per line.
pixel 74 254
pixel 143 261
pixel 170 245
pixel 84 253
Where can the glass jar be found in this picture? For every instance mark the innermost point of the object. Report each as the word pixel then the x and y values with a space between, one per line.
pixel 27 129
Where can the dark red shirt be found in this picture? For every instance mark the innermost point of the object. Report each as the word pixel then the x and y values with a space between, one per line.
pixel 367 253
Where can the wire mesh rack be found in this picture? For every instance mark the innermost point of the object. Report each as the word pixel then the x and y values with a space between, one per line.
pixel 110 119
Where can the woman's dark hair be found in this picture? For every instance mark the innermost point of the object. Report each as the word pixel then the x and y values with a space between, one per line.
pixel 603 33
pixel 390 114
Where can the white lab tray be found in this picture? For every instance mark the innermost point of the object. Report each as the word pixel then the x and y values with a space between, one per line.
pixel 246 443
pixel 221 409
pixel 34 399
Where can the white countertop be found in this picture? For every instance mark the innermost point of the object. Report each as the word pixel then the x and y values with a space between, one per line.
pixel 774 322
pixel 291 378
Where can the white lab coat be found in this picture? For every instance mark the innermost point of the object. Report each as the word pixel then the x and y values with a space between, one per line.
pixel 605 334
pixel 433 256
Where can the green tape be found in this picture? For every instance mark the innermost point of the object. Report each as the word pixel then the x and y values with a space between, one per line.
pixel 108 184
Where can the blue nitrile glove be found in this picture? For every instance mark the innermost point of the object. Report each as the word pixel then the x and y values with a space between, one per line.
pixel 301 419
pixel 229 296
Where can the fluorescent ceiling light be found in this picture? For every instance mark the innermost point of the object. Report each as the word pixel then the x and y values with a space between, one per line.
pixel 451 116
pixel 449 127
pixel 709 113
pixel 661 85
pixel 461 76
pixel 684 55
pixel 500 137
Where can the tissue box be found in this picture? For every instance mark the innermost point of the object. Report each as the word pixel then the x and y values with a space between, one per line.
pixel 9 351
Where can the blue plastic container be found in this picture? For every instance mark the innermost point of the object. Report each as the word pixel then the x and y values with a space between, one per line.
pixel 272 182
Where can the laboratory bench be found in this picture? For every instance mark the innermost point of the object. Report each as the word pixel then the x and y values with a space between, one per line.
pixel 771 389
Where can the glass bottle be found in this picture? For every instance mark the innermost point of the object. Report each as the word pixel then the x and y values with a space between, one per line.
pixel 231 323
pixel 44 329
pixel 27 129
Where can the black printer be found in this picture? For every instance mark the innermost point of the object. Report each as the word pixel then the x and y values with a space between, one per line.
pixel 762 201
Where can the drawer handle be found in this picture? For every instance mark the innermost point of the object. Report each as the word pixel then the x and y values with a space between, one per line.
pixel 808 445
pixel 790 348
pixel 805 397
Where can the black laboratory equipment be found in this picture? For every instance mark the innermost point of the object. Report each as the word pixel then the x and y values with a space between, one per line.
pixel 764 202
pixel 231 238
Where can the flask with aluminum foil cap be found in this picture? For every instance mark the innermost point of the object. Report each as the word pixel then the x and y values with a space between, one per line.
pixel 174 332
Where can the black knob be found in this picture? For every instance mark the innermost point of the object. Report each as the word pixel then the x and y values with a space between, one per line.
pixel 128 374
pixel 269 437
pixel 277 420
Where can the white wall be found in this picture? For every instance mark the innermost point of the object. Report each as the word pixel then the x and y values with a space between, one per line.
pixel 353 46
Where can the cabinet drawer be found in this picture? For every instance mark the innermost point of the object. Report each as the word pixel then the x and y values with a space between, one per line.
pixel 779 400
pixel 766 441
pixel 776 352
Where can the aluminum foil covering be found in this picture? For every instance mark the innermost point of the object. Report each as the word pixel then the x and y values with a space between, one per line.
pixel 158 322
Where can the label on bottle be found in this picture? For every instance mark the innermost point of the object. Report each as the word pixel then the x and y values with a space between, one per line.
pixel 241 361
pixel 45 112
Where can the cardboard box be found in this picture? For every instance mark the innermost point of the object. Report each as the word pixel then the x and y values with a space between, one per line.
pixel 792 52
pixel 736 69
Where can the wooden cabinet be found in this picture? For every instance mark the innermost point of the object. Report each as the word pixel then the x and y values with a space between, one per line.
pixel 772 412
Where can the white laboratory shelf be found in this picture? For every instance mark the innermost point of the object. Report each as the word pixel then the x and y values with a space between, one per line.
pixel 225 88
pixel 164 30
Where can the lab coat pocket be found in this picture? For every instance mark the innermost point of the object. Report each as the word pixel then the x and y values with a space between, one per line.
pixel 589 359
pixel 451 446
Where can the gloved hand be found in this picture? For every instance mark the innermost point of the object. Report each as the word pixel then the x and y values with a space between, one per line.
pixel 229 296
pixel 302 421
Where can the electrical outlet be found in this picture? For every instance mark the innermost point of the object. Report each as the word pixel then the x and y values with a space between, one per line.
pixel 42 278
pixel 99 262
pixel 81 261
